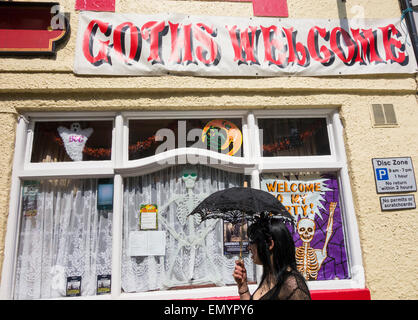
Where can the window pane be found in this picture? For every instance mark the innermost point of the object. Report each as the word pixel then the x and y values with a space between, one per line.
pixel 149 137
pixel 65 241
pixel 314 202
pixel 193 252
pixel 294 137
pixel 72 141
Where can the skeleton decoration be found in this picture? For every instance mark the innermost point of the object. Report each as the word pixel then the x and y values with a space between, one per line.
pixel 74 140
pixel 308 259
pixel 192 235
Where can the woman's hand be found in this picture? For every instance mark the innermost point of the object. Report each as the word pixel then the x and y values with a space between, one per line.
pixel 240 275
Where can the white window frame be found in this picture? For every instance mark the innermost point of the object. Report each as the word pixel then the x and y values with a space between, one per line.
pixel 251 163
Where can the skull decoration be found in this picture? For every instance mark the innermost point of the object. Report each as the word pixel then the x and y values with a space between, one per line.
pixel 189 177
pixel 75 127
pixel 306 229
pixel 308 259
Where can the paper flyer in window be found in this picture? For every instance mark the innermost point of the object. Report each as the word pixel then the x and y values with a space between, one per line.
pixel 73 286
pixel 232 238
pixel 103 284
pixel 148 217
pixel 146 243
pixel 29 201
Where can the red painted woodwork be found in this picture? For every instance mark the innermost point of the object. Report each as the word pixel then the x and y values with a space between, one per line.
pixel 270 8
pixel 342 294
pixel 25 27
pixel 95 5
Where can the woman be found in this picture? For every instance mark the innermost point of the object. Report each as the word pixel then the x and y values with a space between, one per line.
pixel 272 246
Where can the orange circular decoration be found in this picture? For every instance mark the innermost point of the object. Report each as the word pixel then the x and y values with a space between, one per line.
pixel 234 134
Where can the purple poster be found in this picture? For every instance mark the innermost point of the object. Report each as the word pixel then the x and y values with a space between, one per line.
pixel 314 202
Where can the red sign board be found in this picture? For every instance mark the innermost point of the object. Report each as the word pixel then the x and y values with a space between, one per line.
pixel 270 8
pixel 31 27
pixel 95 5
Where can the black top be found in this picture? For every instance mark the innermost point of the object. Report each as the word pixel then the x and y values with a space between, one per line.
pixel 293 288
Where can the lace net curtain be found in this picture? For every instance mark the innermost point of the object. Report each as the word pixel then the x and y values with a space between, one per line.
pixel 194 251
pixel 67 237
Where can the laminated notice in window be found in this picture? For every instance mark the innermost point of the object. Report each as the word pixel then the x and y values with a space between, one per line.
pixel 30 196
pixel 148 217
pixel 146 243
pixel 73 286
pixel 103 284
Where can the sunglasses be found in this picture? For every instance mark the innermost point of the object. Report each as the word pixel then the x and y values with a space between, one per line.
pixel 189 174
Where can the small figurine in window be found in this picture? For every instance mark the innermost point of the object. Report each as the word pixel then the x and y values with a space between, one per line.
pixel 74 140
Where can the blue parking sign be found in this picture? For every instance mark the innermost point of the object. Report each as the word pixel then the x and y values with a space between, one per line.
pixel 382 174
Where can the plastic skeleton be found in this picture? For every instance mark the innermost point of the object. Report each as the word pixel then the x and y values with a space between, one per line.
pixel 185 204
pixel 74 140
pixel 308 259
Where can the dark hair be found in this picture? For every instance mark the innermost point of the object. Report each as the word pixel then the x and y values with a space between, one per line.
pixel 261 232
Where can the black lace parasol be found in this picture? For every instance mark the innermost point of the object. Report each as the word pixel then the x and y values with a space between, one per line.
pixel 239 204
pixel 235 204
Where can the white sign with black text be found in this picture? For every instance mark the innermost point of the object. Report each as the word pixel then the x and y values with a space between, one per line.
pixel 397 202
pixel 146 243
pixel 394 175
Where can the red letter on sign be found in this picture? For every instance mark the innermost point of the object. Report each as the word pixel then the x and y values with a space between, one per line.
pixel 181 48
pixel 390 44
pixel 153 32
pixel 88 41
pixel 135 42
pixel 295 48
pixel 204 35
pixel 271 45
pixel 367 48
pixel 315 52
pixel 244 44
pixel 336 46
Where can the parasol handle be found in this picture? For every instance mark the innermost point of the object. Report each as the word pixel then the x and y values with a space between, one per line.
pixel 242 226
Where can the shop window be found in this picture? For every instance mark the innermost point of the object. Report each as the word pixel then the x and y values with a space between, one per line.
pixel 65 240
pixel 294 137
pixel 65 237
pixel 72 141
pixel 150 137
pixel 193 252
